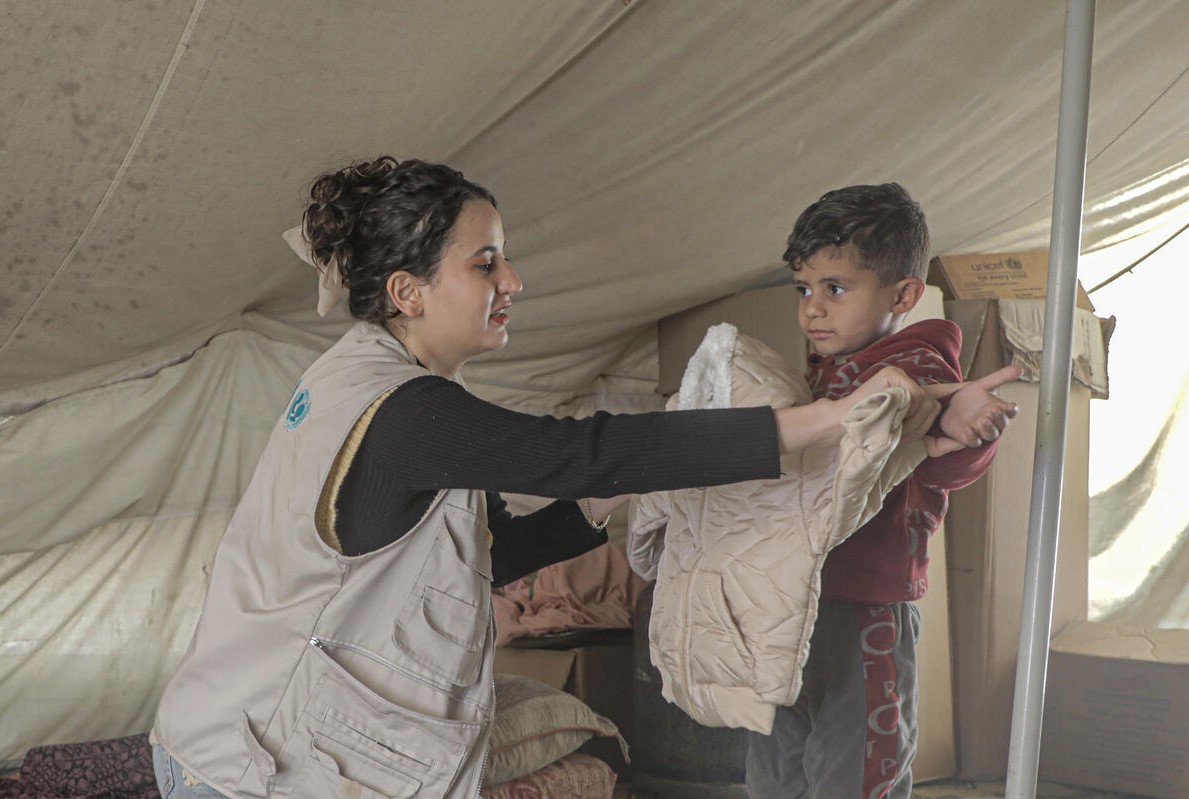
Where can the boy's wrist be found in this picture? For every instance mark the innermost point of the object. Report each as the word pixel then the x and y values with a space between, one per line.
pixel 938 428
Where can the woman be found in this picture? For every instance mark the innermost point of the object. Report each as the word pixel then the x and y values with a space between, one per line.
pixel 345 644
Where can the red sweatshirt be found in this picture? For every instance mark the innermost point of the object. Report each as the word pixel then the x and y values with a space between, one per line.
pixel 886 560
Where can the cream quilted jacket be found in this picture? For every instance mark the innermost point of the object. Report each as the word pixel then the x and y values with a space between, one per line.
pixel 738 567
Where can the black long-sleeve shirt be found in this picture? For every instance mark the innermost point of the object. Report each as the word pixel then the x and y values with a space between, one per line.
pixel 431 434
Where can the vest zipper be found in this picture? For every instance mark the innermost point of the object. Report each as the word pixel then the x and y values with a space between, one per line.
pixel 689 593
pixel 325 643
pixel 487 746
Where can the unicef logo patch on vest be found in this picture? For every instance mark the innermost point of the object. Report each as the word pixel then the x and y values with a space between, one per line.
pixel 299 408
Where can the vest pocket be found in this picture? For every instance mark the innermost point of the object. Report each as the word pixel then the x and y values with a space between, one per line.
pixel 445 621
pixel 348 741
pixel 337 769
pixel 446 635
pixel 260 756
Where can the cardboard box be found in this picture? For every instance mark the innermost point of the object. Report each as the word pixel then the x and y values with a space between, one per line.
pixel 987 534
pixel 771 316
pixel 599 674
pixel 1117 710
pixel 1010 275
pixel 937 754
pixel 767 314
pixel 553 667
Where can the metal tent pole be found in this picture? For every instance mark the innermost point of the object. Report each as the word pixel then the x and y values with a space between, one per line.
pixel 1065 238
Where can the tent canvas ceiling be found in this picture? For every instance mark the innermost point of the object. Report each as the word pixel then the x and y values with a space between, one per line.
pixel 648 155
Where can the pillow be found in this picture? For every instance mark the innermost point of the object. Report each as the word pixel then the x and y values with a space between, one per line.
pixel 535 725
pixel 575 776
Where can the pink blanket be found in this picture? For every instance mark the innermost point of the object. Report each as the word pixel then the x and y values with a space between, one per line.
pixel 595 590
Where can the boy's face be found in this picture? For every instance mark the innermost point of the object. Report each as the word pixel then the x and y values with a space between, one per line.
pixel 843 306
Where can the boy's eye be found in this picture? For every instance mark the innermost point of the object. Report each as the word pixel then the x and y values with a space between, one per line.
pixel 801 289
pixel 836 289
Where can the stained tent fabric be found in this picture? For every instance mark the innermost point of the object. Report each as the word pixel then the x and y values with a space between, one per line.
pixel 648 156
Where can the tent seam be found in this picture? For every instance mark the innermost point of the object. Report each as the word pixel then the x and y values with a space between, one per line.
pixel 182 45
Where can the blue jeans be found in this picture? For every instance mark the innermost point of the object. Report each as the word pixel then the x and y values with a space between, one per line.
pixel 172 779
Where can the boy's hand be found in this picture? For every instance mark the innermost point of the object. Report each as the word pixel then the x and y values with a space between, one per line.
pixel 936 446
pixel 975 415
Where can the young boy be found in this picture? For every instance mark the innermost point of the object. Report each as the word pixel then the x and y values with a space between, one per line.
pixel 859 256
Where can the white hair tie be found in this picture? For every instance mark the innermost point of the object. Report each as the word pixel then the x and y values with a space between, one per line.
pixel 330 279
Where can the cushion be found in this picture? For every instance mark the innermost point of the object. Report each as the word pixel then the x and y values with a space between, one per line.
pixel 535 725
pixel 575 776
pixel 112 767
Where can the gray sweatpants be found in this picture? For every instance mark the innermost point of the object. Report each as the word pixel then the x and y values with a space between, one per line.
pixel 852 733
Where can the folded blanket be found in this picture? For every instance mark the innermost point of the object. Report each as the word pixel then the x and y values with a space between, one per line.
pixel 594 590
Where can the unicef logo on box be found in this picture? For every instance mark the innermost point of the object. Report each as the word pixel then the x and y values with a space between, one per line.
pixel 299 408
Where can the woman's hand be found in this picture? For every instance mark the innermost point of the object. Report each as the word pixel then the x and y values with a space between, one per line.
pixel 600 508
pixel 922 409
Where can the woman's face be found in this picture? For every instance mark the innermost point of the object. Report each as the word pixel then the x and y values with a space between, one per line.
pixel 465 308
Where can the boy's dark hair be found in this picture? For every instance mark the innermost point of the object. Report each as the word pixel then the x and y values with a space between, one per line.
pixel 886 226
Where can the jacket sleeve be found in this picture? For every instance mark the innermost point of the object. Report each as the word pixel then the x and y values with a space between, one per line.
pixel 842 489
pixel 925 361
pixel 648 514
pixel 957 469
pixel 904 460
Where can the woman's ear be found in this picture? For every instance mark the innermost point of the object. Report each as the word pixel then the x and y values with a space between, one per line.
pixel 908 293
pixel 404 292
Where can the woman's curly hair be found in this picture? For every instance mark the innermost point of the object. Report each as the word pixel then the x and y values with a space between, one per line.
pixel 377 217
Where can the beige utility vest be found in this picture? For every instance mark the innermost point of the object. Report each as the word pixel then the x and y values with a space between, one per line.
pixel 312 674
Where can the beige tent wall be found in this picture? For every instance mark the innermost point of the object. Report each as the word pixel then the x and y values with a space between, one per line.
pixel 114 500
